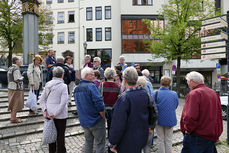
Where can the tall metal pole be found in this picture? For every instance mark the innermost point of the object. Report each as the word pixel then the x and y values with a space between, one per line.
pixel 228 78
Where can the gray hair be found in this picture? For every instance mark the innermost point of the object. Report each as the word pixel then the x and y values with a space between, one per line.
pixel 15 60
pixel 110 73
pixel 121 57
pixel 97 59
pixel 58 72
pixel 87 56
pixel 141 81
pixel 86 71
pixel 145 72
pixel 131 75
pixel 195 76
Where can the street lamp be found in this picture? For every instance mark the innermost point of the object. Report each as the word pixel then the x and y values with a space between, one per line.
pixel 85 48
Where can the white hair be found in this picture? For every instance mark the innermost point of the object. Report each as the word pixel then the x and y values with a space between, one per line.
pixel 131 75
pixel 86 71
pixel 141 81
pixel 97 59
pixel 87 56
pixel 121 57
pixel 58 72
pixel 110 73
pixel 145 72
pixel 195 76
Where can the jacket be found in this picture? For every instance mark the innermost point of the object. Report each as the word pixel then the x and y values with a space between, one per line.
pixel 50 60
pixel 167 103
pixel 15 79
pixel 34 77
pixel 100 69
pixel 54 98
pixel 89 103
pixel 129 125
pixel 202 114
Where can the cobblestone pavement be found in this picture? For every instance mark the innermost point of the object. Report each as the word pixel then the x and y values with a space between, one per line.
pixel 31 143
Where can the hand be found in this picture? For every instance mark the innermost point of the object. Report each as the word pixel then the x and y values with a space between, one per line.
pixel 32 85
pixel 113 150
pixel 45 114
pixel 52 116
pixel 150 131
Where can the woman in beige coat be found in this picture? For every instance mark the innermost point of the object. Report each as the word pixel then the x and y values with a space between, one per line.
pixel 35 75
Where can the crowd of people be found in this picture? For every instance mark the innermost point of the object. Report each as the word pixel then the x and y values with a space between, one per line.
pixel 123 98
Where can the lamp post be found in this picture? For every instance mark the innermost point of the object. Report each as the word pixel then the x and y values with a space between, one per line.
pixel 85 48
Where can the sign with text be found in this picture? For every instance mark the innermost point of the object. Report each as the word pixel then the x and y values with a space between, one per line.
pixel 213 56
pixel 213 44
pixel 213 50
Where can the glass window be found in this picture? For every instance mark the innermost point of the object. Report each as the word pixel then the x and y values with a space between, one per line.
pixel 98 13
pixel 71 16
pixel 60 38
pixel 50 17
pixel 89 13
pixel 71 37
pixel 107 12
pixel 70 0
pixel 107 34
pixel 142 2
pixel 48 1
pixel 60 1
pixel 60 18
pixel 89 34
pixel 98 34
pixel 149 2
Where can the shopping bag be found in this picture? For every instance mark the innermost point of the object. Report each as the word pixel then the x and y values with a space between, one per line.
pixel 31 102
pixel 49 132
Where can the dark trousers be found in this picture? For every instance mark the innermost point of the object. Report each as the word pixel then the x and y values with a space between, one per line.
pixel 108 117
pixel 59 145
pixel 196 144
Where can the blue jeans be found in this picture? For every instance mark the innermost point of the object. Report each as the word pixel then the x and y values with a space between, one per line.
pixel 196 144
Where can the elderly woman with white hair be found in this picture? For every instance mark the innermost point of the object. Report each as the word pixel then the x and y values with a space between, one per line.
pixel 97 66
pixel 122 62
pixel 148 87
pixel 53 102
pixel 129 126
pixel 88 62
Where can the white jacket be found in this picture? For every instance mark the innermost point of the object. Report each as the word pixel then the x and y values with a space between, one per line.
pixel 54 98
pixel 33 76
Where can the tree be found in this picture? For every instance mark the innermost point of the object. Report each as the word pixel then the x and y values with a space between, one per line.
pixel 180 37
pixel 11 26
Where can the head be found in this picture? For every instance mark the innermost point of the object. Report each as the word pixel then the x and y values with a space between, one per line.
pixel 110 73
pixel 16 61
pixel 51 53
pixel 58 72
pixel 130 76
pixel 97 61
pixel 87 74
pixel 141 81
pixel 121 59
pixel 137 67
pixel 87 59
pixel 165 81
pixel 118 76
pixel 68 60
pixel 145 73
pixel 194 78
pixel 37 60
pixel 97 74
pixel 60 60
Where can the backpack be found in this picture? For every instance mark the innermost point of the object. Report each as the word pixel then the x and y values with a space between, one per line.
pixel 153 113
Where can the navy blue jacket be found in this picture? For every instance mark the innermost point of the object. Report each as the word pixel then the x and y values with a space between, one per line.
pixel 50 60
pixel 129 125
pixel 167 102
pixel 89 103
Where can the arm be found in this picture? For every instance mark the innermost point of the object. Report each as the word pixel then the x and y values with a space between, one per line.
pixel 43 99
pixel 17 76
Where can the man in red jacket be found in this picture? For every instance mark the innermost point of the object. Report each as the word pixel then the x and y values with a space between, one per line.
pixel 201 120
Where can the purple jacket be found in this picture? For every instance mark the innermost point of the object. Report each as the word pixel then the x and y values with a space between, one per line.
pixel 90 64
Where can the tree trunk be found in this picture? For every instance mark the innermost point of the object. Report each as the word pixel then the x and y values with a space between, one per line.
pixel 10 55
pixel 178 76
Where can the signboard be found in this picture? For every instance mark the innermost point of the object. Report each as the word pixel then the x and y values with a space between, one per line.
pixel 219 24
pixel 214 37
pixel 213 44
pixel 174 68
pixel 214 20
pixel 213 56
pixel 213 50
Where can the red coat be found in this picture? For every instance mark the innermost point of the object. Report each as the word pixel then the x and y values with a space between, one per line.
pixel 202 114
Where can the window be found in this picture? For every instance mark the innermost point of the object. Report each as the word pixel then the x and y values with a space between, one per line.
pixel 60 18
pixel 98 13
pixel 98 34
pixel 89 34
pixel 60 1
pixel 107 12
pixel 89 13
pixel 142 2
pixel 107 34
pixel 50 18
pixel 48 1
pixel 70 0
pixel 50 38
pixel 71 37
pixel 71 16
pixel 60 39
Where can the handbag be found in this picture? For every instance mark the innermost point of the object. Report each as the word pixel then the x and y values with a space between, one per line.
pixel 31 102
pixel 49 132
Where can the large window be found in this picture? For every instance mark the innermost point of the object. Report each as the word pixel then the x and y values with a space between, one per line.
pixel 60 1
pixel 71 37
pixel 104 54
pixel 89 13
pixel 108 34
pixel 107 12
pixel 71 16
pixel 48 1
pixel 70 0
pixel 60 17
pixel 89 34
pixel 98 34
pixel 60 38
pixel 50 17
pixel 98 13
pixel 142 2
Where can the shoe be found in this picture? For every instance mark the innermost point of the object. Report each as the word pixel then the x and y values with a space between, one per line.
pixel 17 120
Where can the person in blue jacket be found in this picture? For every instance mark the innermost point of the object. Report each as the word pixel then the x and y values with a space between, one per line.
pixel 167 103
pixel 50 61
pixel 129 126
pixel 91 112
